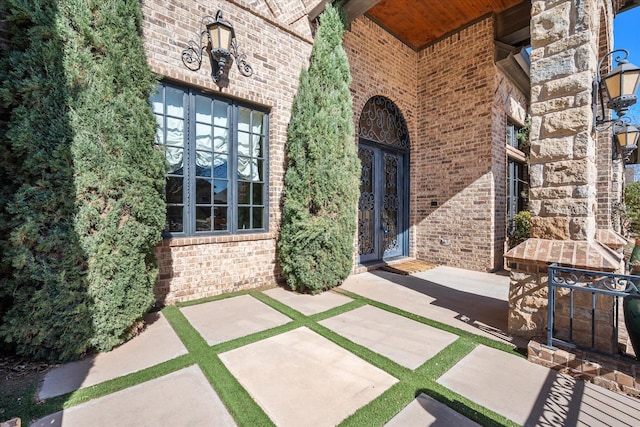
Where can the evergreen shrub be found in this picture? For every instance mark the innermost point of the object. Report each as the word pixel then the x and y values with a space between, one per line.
pixel 316 244
pixel 632 204
pixel 84 203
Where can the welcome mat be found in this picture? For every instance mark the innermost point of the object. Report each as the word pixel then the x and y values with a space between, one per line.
pixel 409 267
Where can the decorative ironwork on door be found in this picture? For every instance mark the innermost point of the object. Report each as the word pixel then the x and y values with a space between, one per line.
pixel 366 203
pixel 390 214
pixel 382 208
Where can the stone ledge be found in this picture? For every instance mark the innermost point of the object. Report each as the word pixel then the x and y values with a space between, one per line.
pixel 14 422
pixel 611 239
pixel 615 373
pixel 590 255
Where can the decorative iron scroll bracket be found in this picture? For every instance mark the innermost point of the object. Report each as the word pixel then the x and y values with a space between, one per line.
pixel 219 57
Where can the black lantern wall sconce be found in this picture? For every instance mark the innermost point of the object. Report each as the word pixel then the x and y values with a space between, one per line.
pixel 620 85
pixel 218 39
pixel 625 137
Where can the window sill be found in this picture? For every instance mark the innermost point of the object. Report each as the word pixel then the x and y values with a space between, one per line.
pixel 515 154
pixel 207 240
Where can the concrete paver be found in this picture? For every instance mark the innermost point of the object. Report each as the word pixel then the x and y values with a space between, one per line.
pixel 300 378
pixel 182 398
pixel 533 395
pixel 231 318
pixel 308 304
pixel 455 305
pixel 425 411
pixel 156 344
pixel 405 341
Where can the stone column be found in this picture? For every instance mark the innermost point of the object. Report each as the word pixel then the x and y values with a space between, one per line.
pixel 563 173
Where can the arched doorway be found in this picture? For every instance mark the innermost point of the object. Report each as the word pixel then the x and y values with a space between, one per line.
pixel 383 149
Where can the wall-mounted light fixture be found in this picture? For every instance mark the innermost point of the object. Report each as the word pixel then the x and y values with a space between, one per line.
pixel 625 139
pixel 620 85
pixel 218 39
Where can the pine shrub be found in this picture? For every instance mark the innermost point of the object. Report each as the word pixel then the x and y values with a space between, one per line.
pixel 632 203
pixel 316 244
pixel 45 308
pixel 85 203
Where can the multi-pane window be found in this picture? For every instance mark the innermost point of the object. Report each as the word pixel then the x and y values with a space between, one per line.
pixel 216 151
pixel 512 135
pixel 517 190
pixel 517 179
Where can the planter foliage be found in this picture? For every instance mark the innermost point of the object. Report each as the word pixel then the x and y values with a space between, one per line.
pixel 82 203
pixel 316 244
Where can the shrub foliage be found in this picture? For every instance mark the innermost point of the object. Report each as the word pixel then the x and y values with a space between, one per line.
pixel 316 243
pixel 632 204
pixel 81 206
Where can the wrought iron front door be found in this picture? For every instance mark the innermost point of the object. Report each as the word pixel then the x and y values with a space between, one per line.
pixel 381 208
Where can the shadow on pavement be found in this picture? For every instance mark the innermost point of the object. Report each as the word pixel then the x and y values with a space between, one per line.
pixel 484 313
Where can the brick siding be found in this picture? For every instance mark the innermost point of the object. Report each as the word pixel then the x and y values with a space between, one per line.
pixel 277 50
pixel 446 93
pixel 454 177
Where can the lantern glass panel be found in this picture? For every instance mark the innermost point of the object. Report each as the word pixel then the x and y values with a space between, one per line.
pixel 225 37
pixel 630 82
pixel 612 84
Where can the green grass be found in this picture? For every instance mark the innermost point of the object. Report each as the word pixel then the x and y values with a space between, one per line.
pixel 242 407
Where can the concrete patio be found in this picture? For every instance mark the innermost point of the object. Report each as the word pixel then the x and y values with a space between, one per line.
pixel 296 375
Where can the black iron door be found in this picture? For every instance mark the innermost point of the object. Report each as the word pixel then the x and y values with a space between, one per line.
pixel 381 209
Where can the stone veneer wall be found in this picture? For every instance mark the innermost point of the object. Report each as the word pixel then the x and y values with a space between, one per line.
pixel 452 162
pixel 566 188
pixel 277 45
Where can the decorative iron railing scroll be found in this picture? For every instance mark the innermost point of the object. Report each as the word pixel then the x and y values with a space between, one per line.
pixel 594 282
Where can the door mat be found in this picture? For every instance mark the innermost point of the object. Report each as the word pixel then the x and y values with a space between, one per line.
pixel 409 267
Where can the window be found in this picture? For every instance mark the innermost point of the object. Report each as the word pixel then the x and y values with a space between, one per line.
pixel 512 135
pixel 216 151
pixel 517 177
pixel 517 191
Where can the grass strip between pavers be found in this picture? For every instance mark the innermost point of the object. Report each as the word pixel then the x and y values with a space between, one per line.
pixel 239 403
pixel 247 412
pixel 34 409
pixel 448 328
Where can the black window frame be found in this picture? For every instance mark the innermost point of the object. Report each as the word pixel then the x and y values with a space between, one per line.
pixel 516 185
pixel 190 174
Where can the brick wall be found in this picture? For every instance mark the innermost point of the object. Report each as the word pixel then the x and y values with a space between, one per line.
pixel 446 93
pixel 382 65
pixel 452 158
pixel 277 49
pixel 609 180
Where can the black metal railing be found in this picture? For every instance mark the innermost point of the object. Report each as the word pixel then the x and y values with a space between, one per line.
pixel 606 289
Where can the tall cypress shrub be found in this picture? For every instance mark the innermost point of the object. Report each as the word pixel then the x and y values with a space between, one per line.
pixel 316 242
pixel 44 306
pixel 84 206
pixel 119 176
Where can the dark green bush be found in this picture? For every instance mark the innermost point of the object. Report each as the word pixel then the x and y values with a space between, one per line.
pixel 632 203
pixel 83 203
pixel 316 243
pixel 45 309
pixel 521 227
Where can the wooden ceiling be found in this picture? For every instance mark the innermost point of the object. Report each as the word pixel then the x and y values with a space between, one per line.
pixel 420 22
